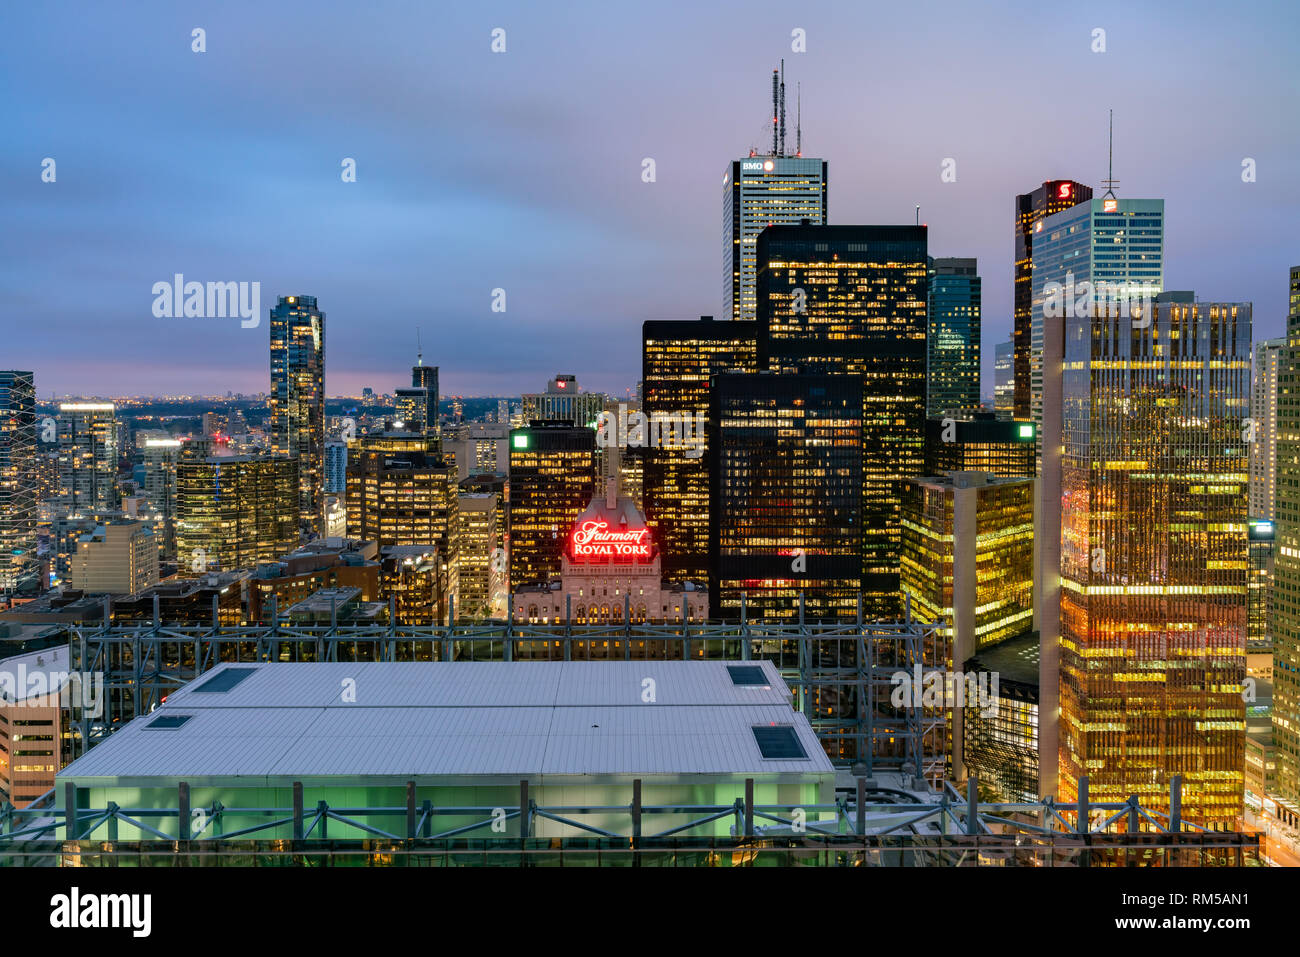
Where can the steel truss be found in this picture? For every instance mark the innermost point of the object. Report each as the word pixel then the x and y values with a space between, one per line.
pixel 872 826
pixel 840 672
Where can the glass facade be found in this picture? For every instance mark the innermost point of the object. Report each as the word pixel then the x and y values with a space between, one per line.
pixel 678 360
pixel 953 340
pixel 1286 578
pixel 87 440
pixel 235 512
pixel 979 443
pixel 1031 208
pixel 297 399
pixel 1004 380
pixel 1000 744
pixel 786 495
pixel 853 300
pixel 19 568
pixel 758 192
pixel 1154 563
pixel 552 478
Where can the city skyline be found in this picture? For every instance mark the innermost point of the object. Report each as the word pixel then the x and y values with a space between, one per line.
pixel 227 156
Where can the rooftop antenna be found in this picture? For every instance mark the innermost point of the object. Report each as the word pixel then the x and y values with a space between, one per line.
pixel 419 352
pixel 776 109
pixel 798 120
pixel 1110 181
pixel 782 153
pixel 918 215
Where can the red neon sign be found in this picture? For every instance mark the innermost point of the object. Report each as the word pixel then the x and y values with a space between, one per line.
pixel 1065 191
pixel 592 539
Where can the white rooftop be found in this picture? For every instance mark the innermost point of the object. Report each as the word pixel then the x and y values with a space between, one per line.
pixel 471 722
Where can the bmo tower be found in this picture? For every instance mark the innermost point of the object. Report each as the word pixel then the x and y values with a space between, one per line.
pixel 757 192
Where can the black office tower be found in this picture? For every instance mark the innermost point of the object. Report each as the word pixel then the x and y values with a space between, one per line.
pixel 785 495
pixel 838 300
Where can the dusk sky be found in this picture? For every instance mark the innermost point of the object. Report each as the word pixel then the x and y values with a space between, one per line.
pixel 522 170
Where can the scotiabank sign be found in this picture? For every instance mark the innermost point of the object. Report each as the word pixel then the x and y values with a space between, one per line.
pixel 592 540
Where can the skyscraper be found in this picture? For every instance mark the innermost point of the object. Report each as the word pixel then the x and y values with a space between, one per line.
pixel 563 401
pixel 297 399
pixel 1031 208
pixel 18 434
pixel 552 479
pixel 786 502
pixel 402 491
pixel 87 437
pixel 1004 379
pixel 853 300
pixel 678 360
pixel 426 378
pixel 160 453
pixel 1286 562
pixel 764 190
pixel 1142 515
pixel 953 339
pixel 979 442
pixel 1262 433
pixel 235 512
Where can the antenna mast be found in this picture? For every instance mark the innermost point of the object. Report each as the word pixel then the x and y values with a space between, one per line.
pixel 798 120
pixel 782 153
pixel 1110 182
pixel 419 352
pixel 776 109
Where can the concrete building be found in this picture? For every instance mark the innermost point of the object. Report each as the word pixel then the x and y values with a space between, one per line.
pixel 1262 434
pixel 120 558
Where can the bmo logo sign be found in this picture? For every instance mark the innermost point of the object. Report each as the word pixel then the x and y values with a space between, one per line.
pixel 751 166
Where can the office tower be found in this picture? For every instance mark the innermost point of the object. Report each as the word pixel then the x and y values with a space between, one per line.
pixel 1000 744
pixel 758 192
pixel 1099 251
pixel 562 401
pixel 19 566
pixel 1143 512
pixel 1286 563
pixel 979 442
pixel 87 436
pixel 411 410
pixel 1262 433
pixel 967 562
pixel 765 190
pixel 853 299
pixel 552 478
pixel 479 448
pixel 297 400
pixel 1031 208
pixel 234 512
pixel 953 339
pixel 336 467
pixel 118 558
pixel 678 360
pixel 503 412
pixel 1004 379
pixel 1259 617
pixel 785 508
pixel 160 453
pixel 477 535
pixel 426 378
pixel 402 491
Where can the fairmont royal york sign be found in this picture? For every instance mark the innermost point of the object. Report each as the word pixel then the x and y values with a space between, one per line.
pixel 593 540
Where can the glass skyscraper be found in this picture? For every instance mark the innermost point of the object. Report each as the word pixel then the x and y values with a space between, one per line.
pixel 1004 379
pixel 1141 527
pixel 87 438
pixel 1286 561
pixel 757 192
pixel 1031 208
pixel 297 400
pixel 678 360
pixel 837 300
pixel 18 434
pixel 953 340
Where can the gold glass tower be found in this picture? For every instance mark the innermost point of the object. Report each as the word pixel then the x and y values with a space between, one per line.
pixel 234 512
pixel 678 360
pixel 1286 569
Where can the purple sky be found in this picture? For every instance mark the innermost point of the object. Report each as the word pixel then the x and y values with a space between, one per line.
pixel 522 170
